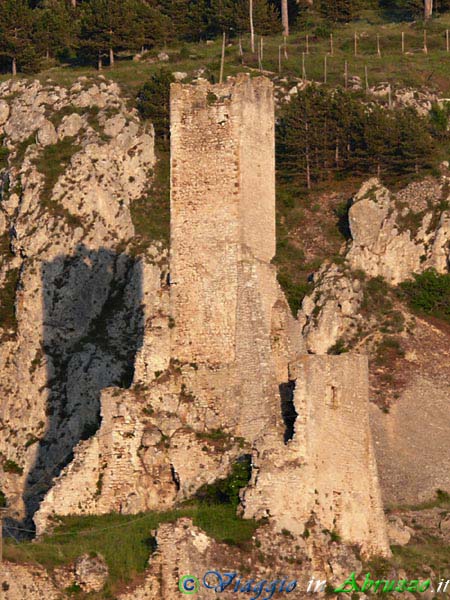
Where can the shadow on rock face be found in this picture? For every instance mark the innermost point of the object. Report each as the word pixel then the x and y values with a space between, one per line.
pixel 93 328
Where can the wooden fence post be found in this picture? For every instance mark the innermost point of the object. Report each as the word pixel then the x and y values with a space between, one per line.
pixel 222 59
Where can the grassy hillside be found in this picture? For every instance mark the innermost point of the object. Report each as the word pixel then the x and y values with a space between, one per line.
pixel 412 68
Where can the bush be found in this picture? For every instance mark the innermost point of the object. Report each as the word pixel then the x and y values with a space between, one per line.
pixel 3 502
pixel 388 351
pixel 7 301
pixel 339 347
pixel 429 293
pixel 10 466
pixel 4 153
pixel 226 491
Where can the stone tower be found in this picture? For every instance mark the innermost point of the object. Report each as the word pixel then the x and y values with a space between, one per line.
pixel 222 209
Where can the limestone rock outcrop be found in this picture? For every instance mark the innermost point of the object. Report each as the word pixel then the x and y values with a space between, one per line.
pixel 183 549
pixel 394 236
pixel 332 310
pixel 72 299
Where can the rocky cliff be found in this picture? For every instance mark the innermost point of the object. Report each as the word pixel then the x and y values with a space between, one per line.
pixel 73 297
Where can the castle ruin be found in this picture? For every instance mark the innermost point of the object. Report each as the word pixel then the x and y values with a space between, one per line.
pixel 231 353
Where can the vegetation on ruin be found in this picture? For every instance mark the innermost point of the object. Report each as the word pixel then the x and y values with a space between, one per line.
pixel 226 491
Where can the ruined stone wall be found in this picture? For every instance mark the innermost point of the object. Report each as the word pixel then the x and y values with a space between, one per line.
pixel 327 470
pixel 222 199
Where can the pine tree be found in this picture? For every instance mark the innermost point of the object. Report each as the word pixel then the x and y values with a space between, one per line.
pixel 108 26
pixel 153 102
pixel 180 12
pixel 16 27
pixel 152 27
pixel 339 10
pixel 53 29
pixel 265 16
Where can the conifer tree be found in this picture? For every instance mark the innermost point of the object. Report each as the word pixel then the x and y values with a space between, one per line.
pixel 152 27
pixel 180 13
pixel 53 27
pixel 16 28
pixel 339 10
pixel 108 26
pixel 266 18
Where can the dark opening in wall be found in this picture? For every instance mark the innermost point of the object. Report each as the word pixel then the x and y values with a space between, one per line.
pixel 288 411
pixel 175 477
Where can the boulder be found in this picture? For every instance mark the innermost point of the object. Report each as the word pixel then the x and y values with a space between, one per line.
pixel 4 112
pixel 70 126
pixel 47 135
pixel 91 572
pixel 179 75
pixel 399 534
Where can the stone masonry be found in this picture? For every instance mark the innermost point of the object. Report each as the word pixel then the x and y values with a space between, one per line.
pixel 236 361
pixel 326 473
pixel 222 210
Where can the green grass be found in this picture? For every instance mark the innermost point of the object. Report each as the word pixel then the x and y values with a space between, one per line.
pixel 423 549
pixel 151 213
pixel 52 163
pixel 7 301
pixel 428 293
pixel 440 500
pixel 412 69
pixel 4 153
pixel 125 541
pixel 432 552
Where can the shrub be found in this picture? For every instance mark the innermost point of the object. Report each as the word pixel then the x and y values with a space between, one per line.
pixel 226 491
pixel 7 301
pixel 338 348
pixel 389 349
pixel 428 293
pixel 10 466
pixel 4 153
pixel 3 502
